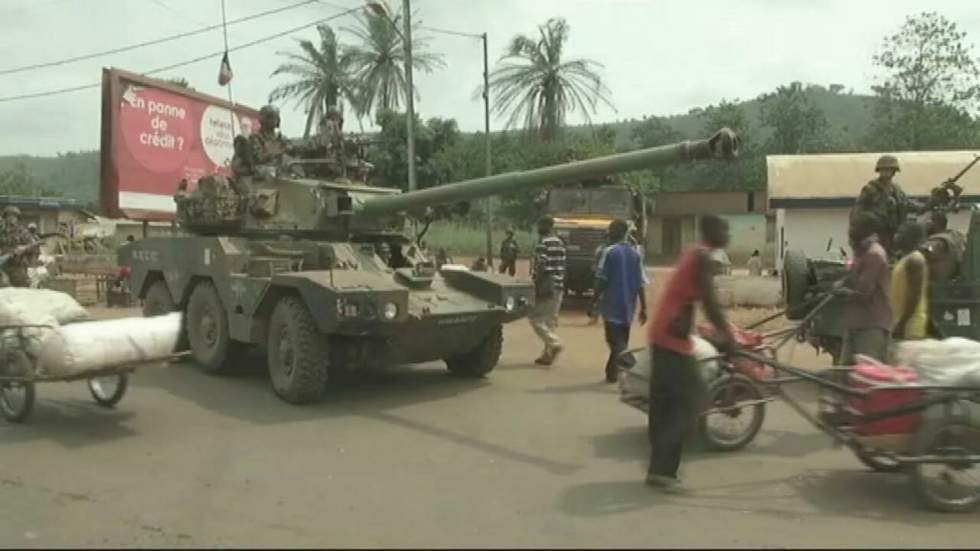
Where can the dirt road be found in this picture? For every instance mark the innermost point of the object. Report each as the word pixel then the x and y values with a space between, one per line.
pixel 413 457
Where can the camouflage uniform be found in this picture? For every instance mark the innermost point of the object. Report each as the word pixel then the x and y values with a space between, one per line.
pixel 265 147
pixel 13 235
pixel 887 203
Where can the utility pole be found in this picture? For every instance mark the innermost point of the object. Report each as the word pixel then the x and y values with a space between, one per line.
pixel 410 96
pixel 488 160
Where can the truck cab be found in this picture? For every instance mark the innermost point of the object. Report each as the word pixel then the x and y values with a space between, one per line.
pixel 582 214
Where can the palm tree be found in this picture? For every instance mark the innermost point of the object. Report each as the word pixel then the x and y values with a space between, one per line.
pixel 377 62
pixel 321 78
pixel 538 88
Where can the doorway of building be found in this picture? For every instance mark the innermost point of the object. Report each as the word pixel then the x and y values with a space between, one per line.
pixel 671 236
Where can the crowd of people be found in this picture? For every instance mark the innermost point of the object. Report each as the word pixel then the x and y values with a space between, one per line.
pixel 885 287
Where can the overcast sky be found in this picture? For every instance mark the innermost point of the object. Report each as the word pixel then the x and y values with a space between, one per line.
pixel 660 57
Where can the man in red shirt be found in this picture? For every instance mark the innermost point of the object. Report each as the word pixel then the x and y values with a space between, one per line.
pixel 676 388
pixel 868 320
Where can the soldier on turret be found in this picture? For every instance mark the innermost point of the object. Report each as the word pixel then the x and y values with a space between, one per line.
pixel 332 132
pixel 263 148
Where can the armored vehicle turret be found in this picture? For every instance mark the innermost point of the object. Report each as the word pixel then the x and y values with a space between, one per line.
pixel 317 273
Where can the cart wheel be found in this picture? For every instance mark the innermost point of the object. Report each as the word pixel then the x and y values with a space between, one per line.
pixel 16 400
pixel 728 426
pixel 108 390
pixel 878 463
pixel 953 486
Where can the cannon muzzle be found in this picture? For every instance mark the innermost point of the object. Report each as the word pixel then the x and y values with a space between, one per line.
pixel 724 144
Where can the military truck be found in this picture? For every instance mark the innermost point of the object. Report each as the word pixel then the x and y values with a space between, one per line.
pixel 582 213
pixel 954 279
pixel 317 273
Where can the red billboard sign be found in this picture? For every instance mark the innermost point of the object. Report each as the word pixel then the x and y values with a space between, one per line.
pixel 155 134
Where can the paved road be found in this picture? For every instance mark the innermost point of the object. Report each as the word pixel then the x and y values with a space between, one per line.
pixel 414 457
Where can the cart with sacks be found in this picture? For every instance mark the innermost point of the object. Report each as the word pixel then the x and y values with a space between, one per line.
pixel 918 415
pixel 46 336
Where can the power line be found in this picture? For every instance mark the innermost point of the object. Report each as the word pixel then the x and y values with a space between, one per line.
pixel 187 62
pixel 150 42
pixel 445 31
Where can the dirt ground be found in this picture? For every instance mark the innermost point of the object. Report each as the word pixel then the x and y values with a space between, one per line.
pixel 412 457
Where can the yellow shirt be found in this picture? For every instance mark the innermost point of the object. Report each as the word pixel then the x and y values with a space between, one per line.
pixel 916 326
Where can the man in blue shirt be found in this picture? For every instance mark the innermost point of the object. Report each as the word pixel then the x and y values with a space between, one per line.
pixel 620 281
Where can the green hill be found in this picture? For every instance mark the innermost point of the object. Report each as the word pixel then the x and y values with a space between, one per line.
pixel 849 116
pixel 74 175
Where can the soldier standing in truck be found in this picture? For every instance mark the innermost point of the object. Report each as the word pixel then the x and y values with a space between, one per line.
pixel 885 202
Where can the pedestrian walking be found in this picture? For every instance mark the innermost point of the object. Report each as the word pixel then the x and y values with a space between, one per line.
pixel 548 273
pixel 676 388
pixel 620 285
pixel 508 254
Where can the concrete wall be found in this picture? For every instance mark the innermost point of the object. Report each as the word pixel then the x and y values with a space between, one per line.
pixel 748 234
pixel 810 230
pixel 708 202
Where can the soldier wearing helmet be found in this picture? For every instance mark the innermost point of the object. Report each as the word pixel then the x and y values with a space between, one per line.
pixel 263 148
pixel 331 138
pixel 885 202
pixel 15 244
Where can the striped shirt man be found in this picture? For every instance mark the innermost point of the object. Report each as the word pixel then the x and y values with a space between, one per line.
pixel 549 257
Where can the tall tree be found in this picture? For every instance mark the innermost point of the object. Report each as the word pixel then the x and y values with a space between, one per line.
pixel 377 60
pixel 539 89
pixel 797 124
pixel 929 87
pixel 654 131
pixel 389 156
pixel 321 79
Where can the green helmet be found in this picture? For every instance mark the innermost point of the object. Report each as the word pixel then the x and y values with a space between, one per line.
pixel 887 162
pixel 8 210
pixel 269 116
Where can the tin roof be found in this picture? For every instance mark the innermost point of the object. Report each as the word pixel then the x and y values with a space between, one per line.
pixel 44 203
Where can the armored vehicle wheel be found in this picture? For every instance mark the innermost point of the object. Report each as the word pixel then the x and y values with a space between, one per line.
pixel 207 331
pixel 158 300
pixel 298 353
pixel 795 282
pixel 482 359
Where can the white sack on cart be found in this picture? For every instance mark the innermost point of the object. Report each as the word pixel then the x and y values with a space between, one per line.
pixel 635 381
pixel 19 306
pixel 952 361
pixel 96 345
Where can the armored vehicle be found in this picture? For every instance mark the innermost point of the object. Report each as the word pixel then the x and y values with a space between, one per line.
pixel 582 214
pixel 954 279
pixel 318 275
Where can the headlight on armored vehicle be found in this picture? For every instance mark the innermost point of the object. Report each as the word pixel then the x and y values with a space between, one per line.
pixel 389 311
pixel 509 304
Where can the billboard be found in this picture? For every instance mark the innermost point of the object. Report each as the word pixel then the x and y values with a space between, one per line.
pixel 155 134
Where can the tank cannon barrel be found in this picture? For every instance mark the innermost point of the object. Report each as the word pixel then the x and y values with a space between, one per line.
pixel 723 144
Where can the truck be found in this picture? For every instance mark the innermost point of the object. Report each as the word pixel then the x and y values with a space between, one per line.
pixel 582 213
